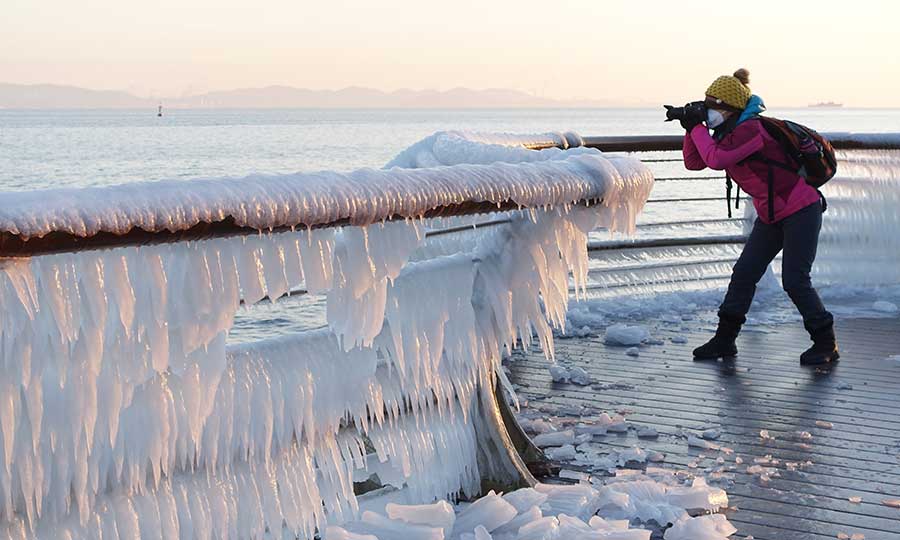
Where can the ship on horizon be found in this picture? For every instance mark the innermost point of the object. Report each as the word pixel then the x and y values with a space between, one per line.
pixel 827 105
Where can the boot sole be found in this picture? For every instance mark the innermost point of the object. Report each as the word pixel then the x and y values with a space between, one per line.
pixel 821 362
pixel 702 358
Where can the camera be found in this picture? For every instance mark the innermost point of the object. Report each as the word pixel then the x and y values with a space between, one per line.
pixel 697 108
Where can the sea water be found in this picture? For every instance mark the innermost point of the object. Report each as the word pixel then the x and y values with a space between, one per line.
pixel 54 148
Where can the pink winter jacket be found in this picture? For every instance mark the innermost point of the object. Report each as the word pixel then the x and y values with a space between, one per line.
pixel 792 193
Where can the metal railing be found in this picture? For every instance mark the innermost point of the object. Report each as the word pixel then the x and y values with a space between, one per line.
pixel 672 143
pixel 663 143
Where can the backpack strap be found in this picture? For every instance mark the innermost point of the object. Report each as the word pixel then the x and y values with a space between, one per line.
pixel 770 178
pixel 728 186
pixel 770 181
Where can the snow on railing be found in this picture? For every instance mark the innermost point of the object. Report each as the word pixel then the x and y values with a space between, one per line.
pixel 123 408
pixel 458 147
pixel 65 219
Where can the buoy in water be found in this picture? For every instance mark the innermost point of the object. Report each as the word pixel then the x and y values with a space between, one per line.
pixel 159 111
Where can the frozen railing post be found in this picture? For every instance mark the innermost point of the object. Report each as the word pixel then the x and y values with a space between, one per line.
pixel 124 408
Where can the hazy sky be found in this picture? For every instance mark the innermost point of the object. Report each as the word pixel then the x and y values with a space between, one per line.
pixel 797 52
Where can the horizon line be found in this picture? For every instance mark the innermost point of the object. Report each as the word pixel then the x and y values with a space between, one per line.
pixel 552 102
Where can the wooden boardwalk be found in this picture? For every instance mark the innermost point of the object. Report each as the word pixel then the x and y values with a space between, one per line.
pixel 851 413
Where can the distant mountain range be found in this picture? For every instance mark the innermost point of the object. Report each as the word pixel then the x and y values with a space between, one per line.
pixel 50 96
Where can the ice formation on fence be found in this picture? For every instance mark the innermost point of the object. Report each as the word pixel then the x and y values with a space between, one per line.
pixel 862 221
pixel 362 197
pixel 122 408
pixel 456 147
pixel 858 247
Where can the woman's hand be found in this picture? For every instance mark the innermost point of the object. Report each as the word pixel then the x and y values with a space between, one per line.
pixel 694 115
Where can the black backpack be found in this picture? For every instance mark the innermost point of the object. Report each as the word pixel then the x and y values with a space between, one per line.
pixel 811 156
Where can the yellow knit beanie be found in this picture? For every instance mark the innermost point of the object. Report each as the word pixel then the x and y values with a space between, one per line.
pixel 732 89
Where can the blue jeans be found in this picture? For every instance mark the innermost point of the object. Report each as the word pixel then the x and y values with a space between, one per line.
pixel 798 236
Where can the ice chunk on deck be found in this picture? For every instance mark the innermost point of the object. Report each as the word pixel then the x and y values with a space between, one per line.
pixel 480 533
pixel 559 373
pixel 581 500
pixel 622 334
pixel 576 375
pixel 490 511
pixel 333 532
pixel 524 518
pixel 525 498
pixel 385 528
pixel 714 527
pixel 555 438
pixel 579 376
pixel 541 426
pixel 613 530
pixel 439 514
pixel 885 307
pixel 650 500
pixel 697 442
pixel 546 528
pixel 699 496
pixel 562 453
pixel 570 527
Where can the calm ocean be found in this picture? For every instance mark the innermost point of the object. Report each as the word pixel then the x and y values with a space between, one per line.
pixel 41 149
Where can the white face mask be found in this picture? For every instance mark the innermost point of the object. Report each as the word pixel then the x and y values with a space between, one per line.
pixel 714 118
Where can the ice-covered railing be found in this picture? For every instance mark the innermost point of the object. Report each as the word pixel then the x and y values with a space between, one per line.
pixel 124 412
pixel 51 220
pixel 697 248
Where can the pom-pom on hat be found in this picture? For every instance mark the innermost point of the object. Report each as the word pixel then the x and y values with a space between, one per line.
pixel 732 90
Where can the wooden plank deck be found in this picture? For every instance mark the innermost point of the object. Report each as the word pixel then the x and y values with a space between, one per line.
pixel 764 389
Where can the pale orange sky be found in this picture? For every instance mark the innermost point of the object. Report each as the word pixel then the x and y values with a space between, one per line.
pixel 651 52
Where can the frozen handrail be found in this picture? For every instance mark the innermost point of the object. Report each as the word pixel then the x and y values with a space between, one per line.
pixel 35 222
pixel 660 143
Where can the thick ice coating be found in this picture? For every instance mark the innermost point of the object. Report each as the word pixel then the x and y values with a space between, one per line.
pixel 456 147
pixel 123 407
pixel 362 197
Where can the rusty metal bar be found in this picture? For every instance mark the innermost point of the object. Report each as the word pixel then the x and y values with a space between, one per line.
pixel 599 286
pixel 686 178
pixel 468 227
pixel 663 143
pixel 657 266
pixel 690 222
pixel 668 242
pixel 635 143
pixel 13 245
pixel 687 199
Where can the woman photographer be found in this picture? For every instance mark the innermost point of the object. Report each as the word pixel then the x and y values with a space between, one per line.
pixel 740 145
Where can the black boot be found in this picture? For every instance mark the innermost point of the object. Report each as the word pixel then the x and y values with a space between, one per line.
pixel 824 349
pixel 722 344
